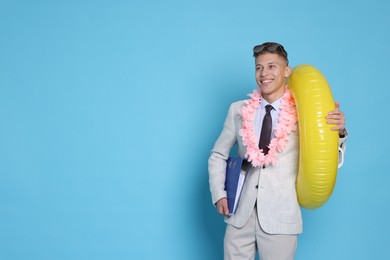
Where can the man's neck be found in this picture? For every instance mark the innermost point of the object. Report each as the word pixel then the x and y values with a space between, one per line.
pixel 273 97
pixel 276 94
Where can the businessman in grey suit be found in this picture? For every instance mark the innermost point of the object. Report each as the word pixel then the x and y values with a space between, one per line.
pixel 268 218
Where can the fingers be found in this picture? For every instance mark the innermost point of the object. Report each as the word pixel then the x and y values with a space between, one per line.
pixel 338 122
pixel 337 109
pixel 222 207
pixel 338 128
pixel 220 210
pixel 337 118
pixel 225 210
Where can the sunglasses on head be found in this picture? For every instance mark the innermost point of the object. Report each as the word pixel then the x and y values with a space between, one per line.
pixel 270 47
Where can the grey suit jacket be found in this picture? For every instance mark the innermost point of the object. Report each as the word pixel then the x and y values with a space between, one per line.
pixel 272 187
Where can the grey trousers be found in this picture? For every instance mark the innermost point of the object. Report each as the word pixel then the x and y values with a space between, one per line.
pixel 242 243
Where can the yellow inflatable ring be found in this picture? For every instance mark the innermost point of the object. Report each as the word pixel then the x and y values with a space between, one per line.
pixel 318 155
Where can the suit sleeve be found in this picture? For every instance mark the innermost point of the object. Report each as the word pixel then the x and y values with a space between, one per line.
pixel 219 155
pixel 342 148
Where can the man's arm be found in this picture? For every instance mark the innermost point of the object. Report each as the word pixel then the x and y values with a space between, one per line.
pixel 337 118
pixel 217 160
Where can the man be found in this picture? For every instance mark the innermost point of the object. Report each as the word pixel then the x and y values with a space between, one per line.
pixel 268 218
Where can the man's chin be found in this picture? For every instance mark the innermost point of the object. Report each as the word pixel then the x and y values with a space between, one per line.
pixel 266 88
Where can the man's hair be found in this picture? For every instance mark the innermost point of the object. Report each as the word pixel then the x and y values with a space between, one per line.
pixel 270 47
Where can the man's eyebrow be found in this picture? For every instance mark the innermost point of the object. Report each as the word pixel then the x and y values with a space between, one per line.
pixel 268 63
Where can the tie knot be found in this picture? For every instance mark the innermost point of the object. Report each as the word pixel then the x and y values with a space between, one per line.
pixel 268 108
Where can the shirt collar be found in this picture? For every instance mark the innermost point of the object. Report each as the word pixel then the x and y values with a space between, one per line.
pixel 275 104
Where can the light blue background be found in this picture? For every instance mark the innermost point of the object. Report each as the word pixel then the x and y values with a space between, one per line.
pixel 109 109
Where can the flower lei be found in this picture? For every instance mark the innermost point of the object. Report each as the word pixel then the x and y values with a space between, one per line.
pixel 286 124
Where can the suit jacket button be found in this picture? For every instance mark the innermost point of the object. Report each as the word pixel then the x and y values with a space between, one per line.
pixel 257 186
pixel 263 166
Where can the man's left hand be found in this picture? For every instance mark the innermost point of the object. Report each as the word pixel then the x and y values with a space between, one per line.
pixel 336 117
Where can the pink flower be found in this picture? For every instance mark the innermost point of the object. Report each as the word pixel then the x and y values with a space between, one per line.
pixel 286 124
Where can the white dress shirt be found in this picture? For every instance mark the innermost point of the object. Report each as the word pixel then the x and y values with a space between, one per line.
pixel 260 113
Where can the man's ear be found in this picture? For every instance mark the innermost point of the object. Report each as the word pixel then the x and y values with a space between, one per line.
pixel 287 71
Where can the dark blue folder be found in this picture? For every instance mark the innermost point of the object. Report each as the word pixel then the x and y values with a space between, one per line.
pixel 233 169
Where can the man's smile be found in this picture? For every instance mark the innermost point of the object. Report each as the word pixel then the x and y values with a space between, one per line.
pixel 266 82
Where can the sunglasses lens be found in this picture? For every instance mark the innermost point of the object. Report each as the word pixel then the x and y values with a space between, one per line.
pixel 273 47
pixel 259 49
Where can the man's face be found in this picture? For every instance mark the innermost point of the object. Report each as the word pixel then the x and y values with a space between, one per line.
pixel 271 71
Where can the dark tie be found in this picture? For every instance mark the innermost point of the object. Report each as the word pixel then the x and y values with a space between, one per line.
pixel 266 129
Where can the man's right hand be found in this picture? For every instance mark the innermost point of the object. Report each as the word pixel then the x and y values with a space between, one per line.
pixel 222 207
